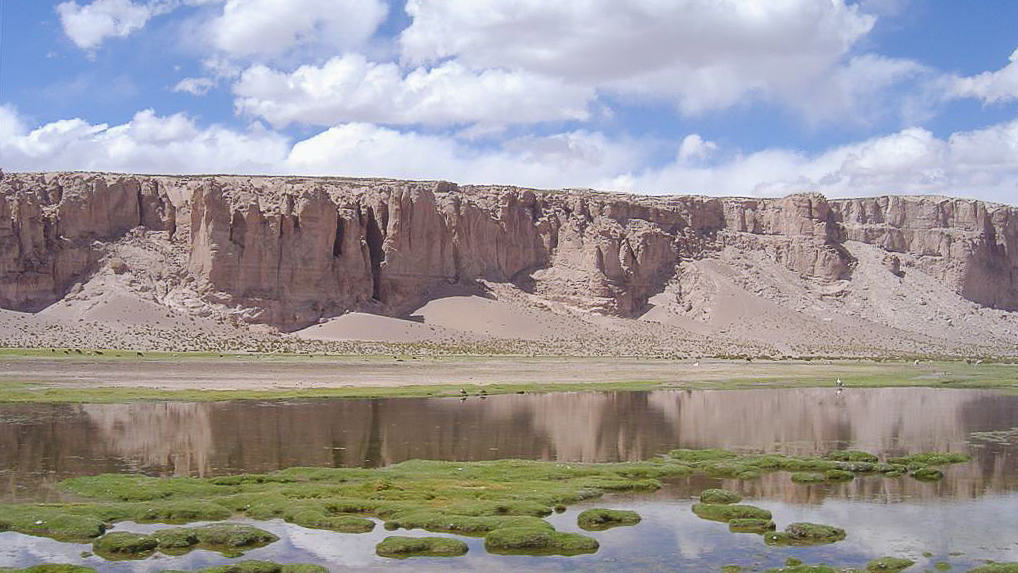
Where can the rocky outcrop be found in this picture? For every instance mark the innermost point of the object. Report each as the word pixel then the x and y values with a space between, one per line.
pixel 288 251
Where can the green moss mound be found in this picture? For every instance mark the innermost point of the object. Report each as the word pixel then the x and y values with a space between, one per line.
pixel 463 524
pixel 538 541
pixel 802 534
pixel 750 525
pixel 927 474
pixel 398 547
pixel 839 475
pixel 889 564
pixel 227 538
pixel 719 496
pixel 705 455
pixel 808 477
pixel 807 569
pixel 601 519
pixel 996 568
pixel 726 513
pixel 123 545
pixel 851 456
pixel 930 459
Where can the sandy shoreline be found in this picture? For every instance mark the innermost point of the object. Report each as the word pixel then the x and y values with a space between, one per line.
pixel 233 373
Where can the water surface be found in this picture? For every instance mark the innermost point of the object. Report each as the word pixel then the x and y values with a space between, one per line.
pixel 974 510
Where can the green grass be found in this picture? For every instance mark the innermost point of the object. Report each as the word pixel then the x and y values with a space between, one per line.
pixel 889 564
pixel 49 568
pixel 262 567
pixel 750 525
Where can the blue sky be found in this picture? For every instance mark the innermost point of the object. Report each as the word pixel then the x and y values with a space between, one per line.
pixel 650 96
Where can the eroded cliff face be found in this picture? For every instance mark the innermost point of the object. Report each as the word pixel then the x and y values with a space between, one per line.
pixel 288 251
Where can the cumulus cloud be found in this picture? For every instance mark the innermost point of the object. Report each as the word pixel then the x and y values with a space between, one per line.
pixel 147 144
pixel 248 28
pixel 350 88
pixel 90 24
pixel 701 55
pixel 194 86
pixel 1000 86
pixel 981 163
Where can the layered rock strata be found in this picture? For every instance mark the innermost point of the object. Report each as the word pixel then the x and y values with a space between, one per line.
pixel 289 251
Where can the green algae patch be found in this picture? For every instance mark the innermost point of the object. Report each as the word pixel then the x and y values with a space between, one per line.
pixel 261 567
pixel 839 475
pixel 889 564
pixel 398 547
pixel 600 519
pixel 538 541
pixel 803 534
pixel 728 512
pixel 719 496
pixel 851 456
pixel 809 569
pixel 49 568
pixel 749 525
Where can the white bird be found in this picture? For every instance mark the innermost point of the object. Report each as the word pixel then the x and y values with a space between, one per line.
pixel 839 383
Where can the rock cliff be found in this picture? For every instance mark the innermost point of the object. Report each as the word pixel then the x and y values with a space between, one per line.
pixel 289 251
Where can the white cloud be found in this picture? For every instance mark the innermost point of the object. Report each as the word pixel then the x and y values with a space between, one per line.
pixel 195 86
pixel 992 87
pixel 350 88
pixel 90 24
pixel 248 28
pixel 981 163
pixel 146 144
pixel 701 55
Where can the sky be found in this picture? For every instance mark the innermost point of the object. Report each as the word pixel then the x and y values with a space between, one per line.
pixel 660 97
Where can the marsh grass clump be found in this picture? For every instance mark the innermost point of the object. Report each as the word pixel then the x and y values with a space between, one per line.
pixel 889 564
pixel 227 538
pixel 750 525
pixel 719 496
pixel 801 534
pixel 1010 567
pixel 538 541
pixel 929 459
pixel 851 456
pixel 839 475
pixel 124 545
pixel 463 524
pixel 927 474
pixel 600 519
pixel 705 455
pixel 808 477
pixel 726 513
pixel 398 547
pixel 808 569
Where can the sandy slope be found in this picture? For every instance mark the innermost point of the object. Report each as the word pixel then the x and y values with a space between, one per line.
pixel 733 303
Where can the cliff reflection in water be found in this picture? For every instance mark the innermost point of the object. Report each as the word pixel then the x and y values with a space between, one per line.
pixel 45 443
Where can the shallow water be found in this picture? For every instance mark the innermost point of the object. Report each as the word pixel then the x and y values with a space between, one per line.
pixel 974 510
